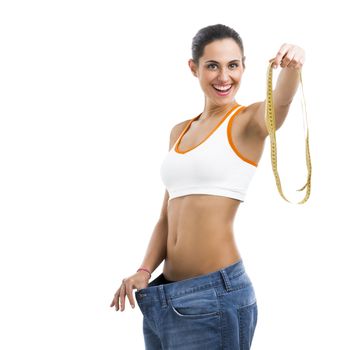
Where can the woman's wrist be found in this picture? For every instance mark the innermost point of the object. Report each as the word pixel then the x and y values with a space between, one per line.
pixel 144 270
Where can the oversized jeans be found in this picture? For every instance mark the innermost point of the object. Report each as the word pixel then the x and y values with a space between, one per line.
pixel 208 312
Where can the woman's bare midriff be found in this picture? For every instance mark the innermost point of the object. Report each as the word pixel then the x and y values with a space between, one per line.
pixel 200 235
pixel 200 227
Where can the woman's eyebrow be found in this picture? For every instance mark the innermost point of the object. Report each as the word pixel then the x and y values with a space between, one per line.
pixel 234 60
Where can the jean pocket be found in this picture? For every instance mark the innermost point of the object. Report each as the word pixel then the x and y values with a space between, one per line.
pixel 140 290
pixel 197 304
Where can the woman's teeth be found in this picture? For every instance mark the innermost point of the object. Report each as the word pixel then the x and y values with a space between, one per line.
pixel 222 90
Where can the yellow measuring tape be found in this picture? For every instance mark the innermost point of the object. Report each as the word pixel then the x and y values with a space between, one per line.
pixel 271 126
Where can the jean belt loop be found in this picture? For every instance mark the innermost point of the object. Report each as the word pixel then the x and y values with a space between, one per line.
pixel 162 296
pixel 226 279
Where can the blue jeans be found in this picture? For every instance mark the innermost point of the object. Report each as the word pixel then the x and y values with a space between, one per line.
pixel 208 312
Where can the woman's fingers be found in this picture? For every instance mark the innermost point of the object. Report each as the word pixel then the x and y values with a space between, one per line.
pixel 291 56
pixel 288 58
pixel 115 300
pixel 119 298
pixel 126 289
pixel 280 54
pixel 130 296
pixel 122 297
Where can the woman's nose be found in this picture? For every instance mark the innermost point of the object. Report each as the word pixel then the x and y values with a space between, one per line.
pixel 224 76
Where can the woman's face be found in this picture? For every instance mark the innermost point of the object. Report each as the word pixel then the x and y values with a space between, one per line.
pixel 220 67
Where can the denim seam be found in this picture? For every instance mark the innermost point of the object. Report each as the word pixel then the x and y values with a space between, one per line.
pixel 235 289
pixel 214 313
pixel 224 327
pixel 240 329
pixel 241 324
pixel 202 287
pixel 221 326
pixel 242 307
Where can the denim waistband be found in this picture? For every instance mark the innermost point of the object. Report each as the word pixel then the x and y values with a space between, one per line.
pixel 225 279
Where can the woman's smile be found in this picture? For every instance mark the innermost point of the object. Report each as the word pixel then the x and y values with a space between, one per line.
pixel 223 90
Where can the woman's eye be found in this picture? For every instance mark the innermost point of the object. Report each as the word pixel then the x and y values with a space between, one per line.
pixel 214 65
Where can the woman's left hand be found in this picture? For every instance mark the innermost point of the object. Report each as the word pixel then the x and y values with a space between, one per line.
pixel 291 56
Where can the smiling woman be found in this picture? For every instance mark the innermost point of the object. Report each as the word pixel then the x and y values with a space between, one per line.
pixel 213 65
pixel 204 297
pixel 218 62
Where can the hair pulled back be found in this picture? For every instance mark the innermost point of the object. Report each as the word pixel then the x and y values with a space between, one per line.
pixel 211 33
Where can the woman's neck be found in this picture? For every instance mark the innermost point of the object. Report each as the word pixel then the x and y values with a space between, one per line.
pixel 213 111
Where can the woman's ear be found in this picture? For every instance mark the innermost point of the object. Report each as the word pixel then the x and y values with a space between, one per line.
pixel 193 67
pixel 243 62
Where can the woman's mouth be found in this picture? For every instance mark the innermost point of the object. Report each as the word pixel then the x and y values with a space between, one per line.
pixel 222 90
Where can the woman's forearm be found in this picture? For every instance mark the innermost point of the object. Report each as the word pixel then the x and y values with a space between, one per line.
pixel 157 246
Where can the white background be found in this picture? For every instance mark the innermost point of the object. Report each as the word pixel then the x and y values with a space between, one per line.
pixel 89 93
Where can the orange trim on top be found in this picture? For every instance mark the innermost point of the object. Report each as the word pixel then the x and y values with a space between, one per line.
pixel 229 136
pixel 210 133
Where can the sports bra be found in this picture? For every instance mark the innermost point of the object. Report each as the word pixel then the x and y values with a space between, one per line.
pixel 214 166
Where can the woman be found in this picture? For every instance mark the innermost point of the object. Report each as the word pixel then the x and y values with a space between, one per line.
pixel 204 298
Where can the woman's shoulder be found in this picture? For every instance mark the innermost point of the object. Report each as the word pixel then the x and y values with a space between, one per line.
pixel 179 127
pixel 176 131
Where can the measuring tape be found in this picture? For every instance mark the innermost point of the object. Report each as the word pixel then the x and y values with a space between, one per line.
pixel 271 127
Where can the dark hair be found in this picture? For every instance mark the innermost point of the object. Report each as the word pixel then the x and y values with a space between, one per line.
pixel 211 33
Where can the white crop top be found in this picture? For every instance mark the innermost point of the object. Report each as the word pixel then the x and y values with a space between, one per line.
pixel 214 166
